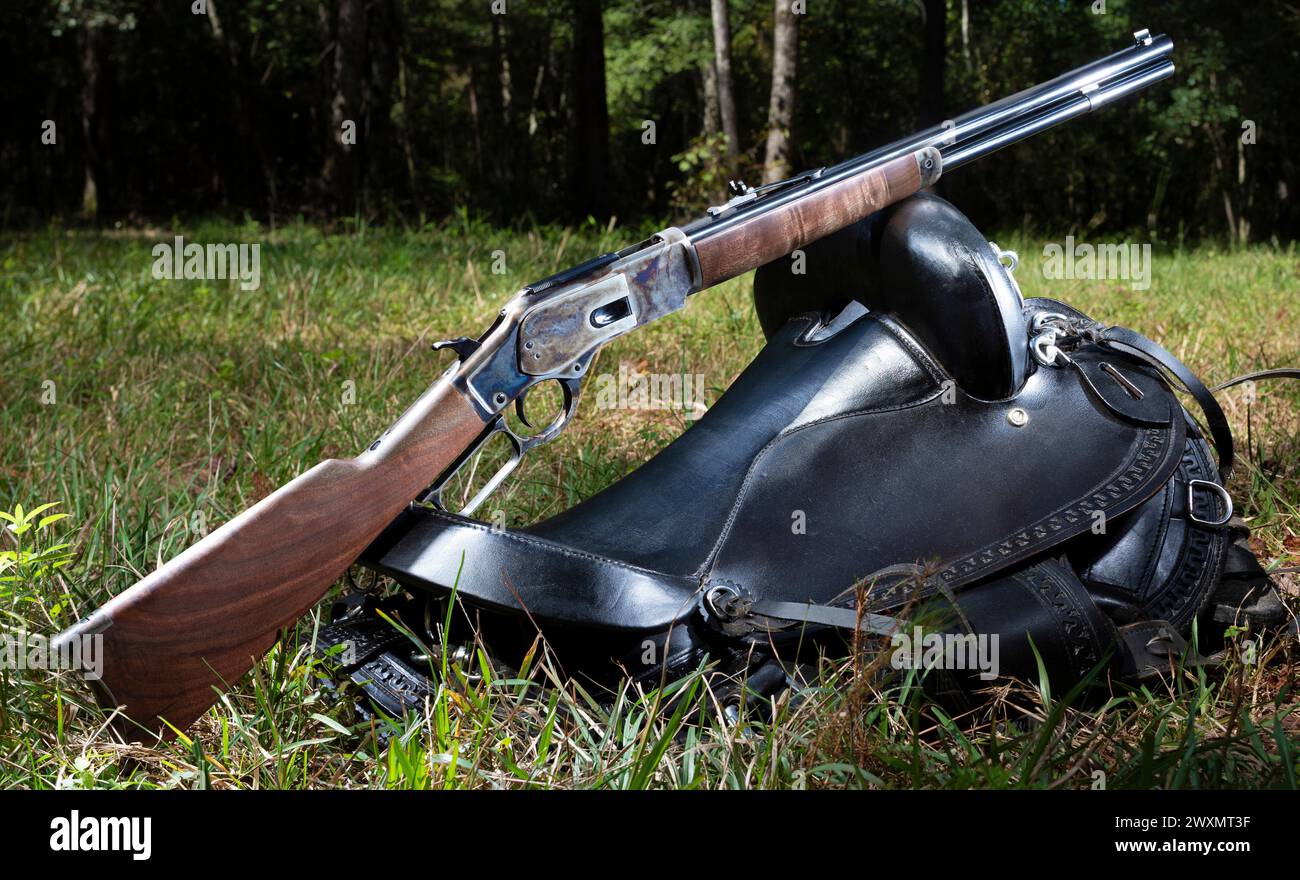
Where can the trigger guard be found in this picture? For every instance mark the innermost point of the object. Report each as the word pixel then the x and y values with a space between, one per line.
pixel 520 446
pixel 571 388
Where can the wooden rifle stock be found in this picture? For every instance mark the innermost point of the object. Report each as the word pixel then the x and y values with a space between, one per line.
pixel 200 621
pixel 768 235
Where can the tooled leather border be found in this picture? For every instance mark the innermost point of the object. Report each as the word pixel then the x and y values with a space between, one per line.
pixel 1148 466
pixel 1079 635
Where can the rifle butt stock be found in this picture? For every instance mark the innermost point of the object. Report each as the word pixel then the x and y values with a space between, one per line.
pixel 199 622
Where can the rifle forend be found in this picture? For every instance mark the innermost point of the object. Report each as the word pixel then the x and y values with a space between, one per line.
pixel 199 622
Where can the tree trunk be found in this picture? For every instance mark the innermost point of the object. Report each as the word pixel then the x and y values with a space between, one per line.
pixel 341 173
pixel 1245 195
pixel 502 55
pixel 535 98
pixel 472 91
pixel 402 120
pixel 780 111
pixel 709 75
pixel 506 150
pixel 965 35
pixel 722 69
pixel 325 32
pixel 589 152
pixel 90 146
pixel 243 100
pixel 933 62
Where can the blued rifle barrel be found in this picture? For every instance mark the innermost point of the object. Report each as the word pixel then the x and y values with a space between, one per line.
pixel 1102 76
pixel 993 126
pixel 957 154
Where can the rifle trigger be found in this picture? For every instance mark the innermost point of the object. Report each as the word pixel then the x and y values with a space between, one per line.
pixel 462 345
pixel 519 410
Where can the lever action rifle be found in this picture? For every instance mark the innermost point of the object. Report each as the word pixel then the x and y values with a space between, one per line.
pixel 200 621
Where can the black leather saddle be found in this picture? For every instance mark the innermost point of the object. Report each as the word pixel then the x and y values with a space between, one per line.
pixel 913 433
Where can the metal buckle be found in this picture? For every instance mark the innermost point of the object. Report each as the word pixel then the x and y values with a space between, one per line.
pixel 1049 320
pixel 728 607
pixel 728 603
pixel 1045 330
pixel 1218 490
pixel 1045 350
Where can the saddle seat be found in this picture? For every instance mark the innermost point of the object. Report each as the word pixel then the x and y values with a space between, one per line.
pixel 899 420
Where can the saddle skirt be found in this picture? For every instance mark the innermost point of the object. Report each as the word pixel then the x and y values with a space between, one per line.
pixel 913 428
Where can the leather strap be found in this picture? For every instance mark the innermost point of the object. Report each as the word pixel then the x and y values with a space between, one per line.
pixel 1151 647
pixel 1063 615
pixel 833 614
pixel 1158 356
pixel 825 615
pixel 1154 353
pixel 1279 373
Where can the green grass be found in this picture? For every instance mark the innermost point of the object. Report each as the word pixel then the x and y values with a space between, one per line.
pixel 177 404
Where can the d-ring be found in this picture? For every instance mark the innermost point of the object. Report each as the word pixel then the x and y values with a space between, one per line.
pixel 1217 490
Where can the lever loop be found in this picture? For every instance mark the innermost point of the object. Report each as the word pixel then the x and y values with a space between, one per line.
pixel 520 446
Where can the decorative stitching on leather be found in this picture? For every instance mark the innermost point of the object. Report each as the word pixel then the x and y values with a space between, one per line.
pixel 1048 531
pixel 1115 490
pixel 544 544
pixel 1080 636
pixel 787 432
pixel 1200 558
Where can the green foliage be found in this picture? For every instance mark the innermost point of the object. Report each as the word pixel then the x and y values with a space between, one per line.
pixel 705 167
pixel 34 556
pixel 72 14
pixel 648 45
pixel 465 108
